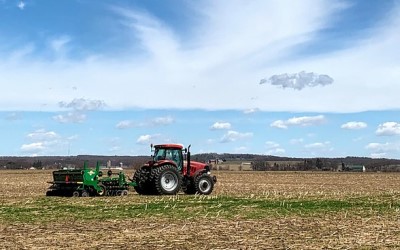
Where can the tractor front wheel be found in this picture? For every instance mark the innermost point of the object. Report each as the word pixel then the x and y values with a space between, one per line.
pixel 167 179
pixel 188 186
pixel 204 184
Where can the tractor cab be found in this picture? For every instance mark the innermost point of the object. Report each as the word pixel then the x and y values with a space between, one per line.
pixel 169 152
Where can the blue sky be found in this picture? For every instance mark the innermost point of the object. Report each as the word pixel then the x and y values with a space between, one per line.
pixel 311 78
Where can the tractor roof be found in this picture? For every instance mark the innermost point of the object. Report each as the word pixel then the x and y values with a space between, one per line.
pixel 175 146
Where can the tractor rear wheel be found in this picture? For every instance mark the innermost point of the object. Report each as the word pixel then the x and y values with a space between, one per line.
pixel 204 184
pixel 50 193
pixel 167 179
pixel 144 184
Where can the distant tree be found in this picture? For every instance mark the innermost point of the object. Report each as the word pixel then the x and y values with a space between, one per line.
pixel 319 164
pixel 259 165
pixel 37 164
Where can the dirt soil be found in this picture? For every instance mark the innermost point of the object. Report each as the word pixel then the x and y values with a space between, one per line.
pixel 331 230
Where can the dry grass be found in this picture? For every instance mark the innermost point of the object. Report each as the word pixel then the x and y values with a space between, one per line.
pixel 247 210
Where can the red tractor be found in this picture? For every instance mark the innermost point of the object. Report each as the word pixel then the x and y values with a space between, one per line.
pixel 168 172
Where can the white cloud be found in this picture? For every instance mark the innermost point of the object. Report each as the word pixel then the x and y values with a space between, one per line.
pixel 380 150
pixel 220 125
pixel 21 5
pixel 70 117
pixel 299 121
pixel 35 147
pixel 41 134
pixel 147 139
pixel 388 129
pixel 379 147
pixel 162 121
pixel 79 108
pixel 232 136
pixel 378 155
pixel 144 139
pixel 274 148
pixel 298 80
pixel 158 121
pixel 82 104
pixel 251 111
pixel 43 142
pixel 316 145
pixel 125 124
pixel 354 125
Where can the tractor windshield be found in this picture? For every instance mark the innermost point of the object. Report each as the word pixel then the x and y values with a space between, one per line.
pixel 169 154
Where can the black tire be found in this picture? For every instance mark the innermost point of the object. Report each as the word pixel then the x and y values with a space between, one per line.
pixel 50 193
pixel 102 191
pixel 124 192
pixel 75 194
pixel 167 179
pixel 188 186
pixel 144 184
pixel 204 184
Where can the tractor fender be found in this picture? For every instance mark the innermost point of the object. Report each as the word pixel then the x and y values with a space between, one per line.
pixel 206 169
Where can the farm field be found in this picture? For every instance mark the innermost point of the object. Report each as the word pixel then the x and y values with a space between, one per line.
pixel 247 210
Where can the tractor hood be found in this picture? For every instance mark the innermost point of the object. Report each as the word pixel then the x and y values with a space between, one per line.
pixel 195 167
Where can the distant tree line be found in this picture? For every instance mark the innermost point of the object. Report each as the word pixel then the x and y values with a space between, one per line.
pixel 259 162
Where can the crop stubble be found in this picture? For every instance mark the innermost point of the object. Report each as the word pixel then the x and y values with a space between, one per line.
pixel 247 210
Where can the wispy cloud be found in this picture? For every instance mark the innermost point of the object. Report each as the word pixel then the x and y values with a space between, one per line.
pixel 388 129
pixel 42 134
pixel 125 124
pixel 299 121
pixel 155 122
pixel 251 111
pixel 221 48
pixel 70 117
pixel 318 145
pixel 274 148
pixel 354 125
pixel 379 150
pixel 33 148
pixel 232 136
pixel 319 148
pixel 79 108
pixel 42 142
pixel 220 125
pixel 82 104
